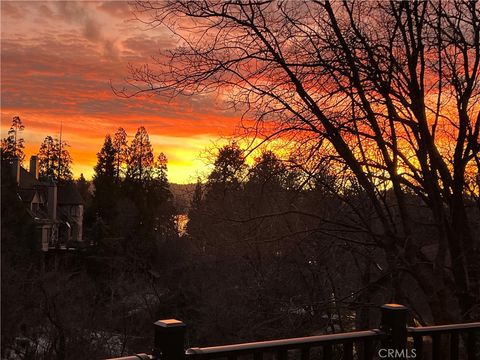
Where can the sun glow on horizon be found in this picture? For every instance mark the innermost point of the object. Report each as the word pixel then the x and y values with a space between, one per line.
pixel 59 60
pixel 184 154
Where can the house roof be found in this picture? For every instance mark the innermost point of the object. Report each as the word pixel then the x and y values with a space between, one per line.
pixel 69 195
pixel 27 195
pixel 27 180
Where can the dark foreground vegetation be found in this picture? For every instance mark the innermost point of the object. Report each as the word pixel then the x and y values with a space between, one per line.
pixel 366 189
pixel 268 253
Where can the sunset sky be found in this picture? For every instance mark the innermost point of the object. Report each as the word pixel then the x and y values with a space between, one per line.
pixel 58 59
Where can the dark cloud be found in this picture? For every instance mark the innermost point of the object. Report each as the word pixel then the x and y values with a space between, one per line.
pixel 73 11
pixel 84 15
pixel 92 30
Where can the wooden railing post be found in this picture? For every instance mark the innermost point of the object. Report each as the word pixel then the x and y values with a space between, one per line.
pixel 394 324
pixel 169 340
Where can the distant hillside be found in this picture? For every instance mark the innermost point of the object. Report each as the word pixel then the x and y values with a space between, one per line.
pixel 182 194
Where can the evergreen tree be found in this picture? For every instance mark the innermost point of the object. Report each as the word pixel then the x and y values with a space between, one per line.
pixel 222 199
pixel 64 170
pixel 55 160
pixel 140 158
pixel 47 157
pixel 138 210
pixel 104 182
pixel 161 170
pixel 120 145
pixel 13 145
pixel 229 167
pixel 161 199
pixel 161 186
pixel 82 187
pixel 105 167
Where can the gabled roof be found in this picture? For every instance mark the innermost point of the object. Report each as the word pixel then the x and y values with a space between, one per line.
pixel 27 180
pixel 29 195
pixel 69 195
pixel 26 195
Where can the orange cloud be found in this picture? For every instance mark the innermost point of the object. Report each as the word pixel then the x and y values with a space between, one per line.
pixel 58 61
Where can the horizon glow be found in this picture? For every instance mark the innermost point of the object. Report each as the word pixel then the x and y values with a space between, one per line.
pixel 59 61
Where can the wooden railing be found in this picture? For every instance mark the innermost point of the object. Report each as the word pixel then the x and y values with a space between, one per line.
pixel 390 341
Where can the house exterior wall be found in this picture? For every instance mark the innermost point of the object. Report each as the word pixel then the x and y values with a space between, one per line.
pixel 45 237
pixel 52 201
pixel 80 223
pixel 57 211
pixel 36 204
pixel 75 216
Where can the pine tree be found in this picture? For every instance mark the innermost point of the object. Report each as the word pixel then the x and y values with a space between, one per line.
pixel 64 166
pixel 160 185
pixel 55 160
pixel 104 182
pixel 221 197
pixel 120 145
pixel 161 169
pixel 83 187
pixel 140 157
pixel 47 157
pixel 160 200
pixel 13 145
pixel 105 167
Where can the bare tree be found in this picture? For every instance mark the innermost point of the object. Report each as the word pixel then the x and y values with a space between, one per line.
pixel 389 91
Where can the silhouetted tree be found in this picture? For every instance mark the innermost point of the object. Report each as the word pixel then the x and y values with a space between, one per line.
pixel 140 158
pixel 392 106
pixel 268 169
pixel 54 160
pixel 120 144
pixel 20 259
pixel 197 196
pixel 13 145
pixel 160 197
pixel 83 188
pixel 220 200
pixel 229 167
pixel 160 172
pixel 137 209
pixel 280 247
pixel 105 167
pixel 104 181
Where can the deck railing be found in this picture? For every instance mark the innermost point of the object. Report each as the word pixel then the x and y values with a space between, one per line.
pixel 390 341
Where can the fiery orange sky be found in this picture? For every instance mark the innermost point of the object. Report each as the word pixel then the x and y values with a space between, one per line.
pixel 57 62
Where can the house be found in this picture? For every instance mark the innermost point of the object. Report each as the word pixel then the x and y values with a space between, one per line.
pixel 57 209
